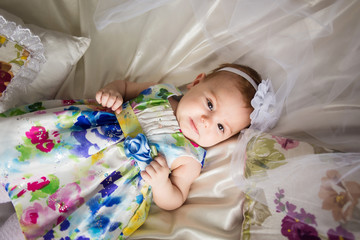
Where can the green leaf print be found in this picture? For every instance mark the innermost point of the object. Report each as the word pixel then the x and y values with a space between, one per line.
pixel 180 139
pixel 49 189
pixel 17 62
pixel 255 213
pixel 27 150
pixel 38 195
pixel 139 98
pixel 262 156
pixel 53 186
pixel 36 107
pixel 149 103
pixel 18 47
pixel 13 112
pixel 154 102
pixel 164 93
pixel 24 109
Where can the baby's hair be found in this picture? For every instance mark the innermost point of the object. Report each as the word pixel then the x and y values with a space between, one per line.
pixel 246 89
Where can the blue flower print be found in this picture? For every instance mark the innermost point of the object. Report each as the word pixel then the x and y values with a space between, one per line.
pixel 104 125
pixel 138 148
pixel 64 225
pixel 147 91
pixel 109 185
pixel 99 225
pixel 49 235
pixel 112 132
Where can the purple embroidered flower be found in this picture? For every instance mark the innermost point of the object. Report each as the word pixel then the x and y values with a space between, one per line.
pixel 340 233
pixel 280 207
pixel 294 229
pixel 138 148
pixel 286 143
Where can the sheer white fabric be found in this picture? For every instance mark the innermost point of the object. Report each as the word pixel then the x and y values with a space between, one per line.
pixel 118 11
pixel 309 49
pixel 306 48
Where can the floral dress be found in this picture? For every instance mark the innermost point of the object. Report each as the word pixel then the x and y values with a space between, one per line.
pixel 67 172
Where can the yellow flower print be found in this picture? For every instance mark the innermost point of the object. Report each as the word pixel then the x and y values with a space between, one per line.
pixel 3 40
pixel 141 213
pixel 24 55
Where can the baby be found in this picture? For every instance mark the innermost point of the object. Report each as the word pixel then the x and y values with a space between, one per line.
pixel 215 107
pixel 69 169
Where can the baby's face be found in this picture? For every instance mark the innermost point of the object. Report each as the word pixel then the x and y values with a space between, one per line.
pixel 212 111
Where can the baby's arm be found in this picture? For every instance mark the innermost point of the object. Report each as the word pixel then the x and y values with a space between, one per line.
pixel 115 93
pixel 171 192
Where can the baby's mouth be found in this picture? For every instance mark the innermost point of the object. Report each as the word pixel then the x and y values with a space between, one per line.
pixel 193 126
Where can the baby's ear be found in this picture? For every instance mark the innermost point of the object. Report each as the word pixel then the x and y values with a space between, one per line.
pixel 190 85
pixel 198 79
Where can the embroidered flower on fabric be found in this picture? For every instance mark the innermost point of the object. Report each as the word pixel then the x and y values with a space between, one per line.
pixel 296 225
pixel 286 143
pixel 138 148
pixel 340 233
pixel 297 230
pixel 341 197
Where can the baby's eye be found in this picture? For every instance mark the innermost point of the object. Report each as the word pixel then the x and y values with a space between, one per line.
pixel 210 105
pixel 221 127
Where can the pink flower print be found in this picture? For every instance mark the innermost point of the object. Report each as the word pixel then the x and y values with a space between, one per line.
pixel 40 112
pixel 66 199
pixel 286 143
pixel 68 102
pixel 31 214
pixel 36 220
pixel 21 193
pixel 40 137
pixel 33 186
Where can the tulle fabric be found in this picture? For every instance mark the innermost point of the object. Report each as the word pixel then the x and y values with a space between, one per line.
pixel 309 49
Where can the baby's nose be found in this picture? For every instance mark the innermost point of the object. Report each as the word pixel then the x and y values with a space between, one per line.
pixel 205 120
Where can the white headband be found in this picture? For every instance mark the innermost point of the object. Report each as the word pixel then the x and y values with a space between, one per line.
pixel 240 73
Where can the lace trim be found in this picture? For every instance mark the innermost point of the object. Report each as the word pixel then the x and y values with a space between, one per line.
pixel 27 72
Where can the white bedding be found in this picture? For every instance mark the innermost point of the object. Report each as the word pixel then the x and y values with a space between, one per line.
pixel 168 44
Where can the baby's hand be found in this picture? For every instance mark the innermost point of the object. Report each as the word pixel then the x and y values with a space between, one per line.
pixel 110 98
pixel 157 172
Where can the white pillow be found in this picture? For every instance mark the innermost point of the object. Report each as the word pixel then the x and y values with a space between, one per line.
pixel 62 52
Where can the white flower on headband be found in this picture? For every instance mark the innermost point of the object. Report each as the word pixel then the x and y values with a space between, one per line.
pixel 264 116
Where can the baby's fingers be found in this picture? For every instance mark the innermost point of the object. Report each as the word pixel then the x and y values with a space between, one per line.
pixel 117 107
pixel 145 176
pixel 110 99
pixel 102 98
pixel 98 96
